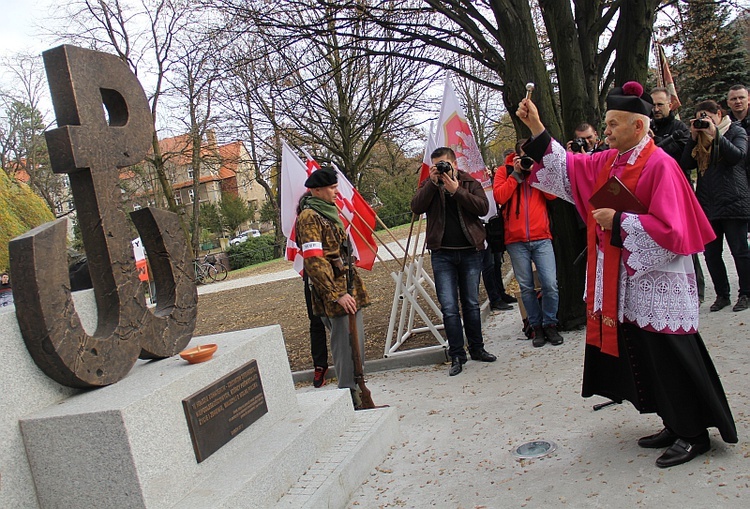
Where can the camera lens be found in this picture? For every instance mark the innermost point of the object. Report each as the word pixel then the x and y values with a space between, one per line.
pixel 443 166
pixel 700 124
pixel 526 162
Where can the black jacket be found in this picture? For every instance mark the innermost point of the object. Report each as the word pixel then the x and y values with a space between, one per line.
pixel 472 204
pixel 723 190
pixel 671 135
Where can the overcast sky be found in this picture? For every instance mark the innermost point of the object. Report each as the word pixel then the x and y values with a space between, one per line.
pixel 17 25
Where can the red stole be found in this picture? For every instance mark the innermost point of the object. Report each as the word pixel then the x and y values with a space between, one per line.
pixel 601 329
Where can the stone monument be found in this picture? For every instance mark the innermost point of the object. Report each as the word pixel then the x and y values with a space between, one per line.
pixel 84 422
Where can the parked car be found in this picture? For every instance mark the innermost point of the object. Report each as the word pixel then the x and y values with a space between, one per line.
pixel 243 236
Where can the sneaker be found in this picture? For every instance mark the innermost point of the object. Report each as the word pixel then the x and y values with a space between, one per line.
pixel 721 302
pixel 319 378
pixel 537 338
pixel 554 337
pixel 500 305
pixel 742 303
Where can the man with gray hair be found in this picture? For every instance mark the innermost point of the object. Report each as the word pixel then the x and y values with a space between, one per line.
pixel 642 341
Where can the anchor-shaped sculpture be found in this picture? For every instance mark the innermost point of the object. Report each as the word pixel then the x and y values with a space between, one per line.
pixel 91 147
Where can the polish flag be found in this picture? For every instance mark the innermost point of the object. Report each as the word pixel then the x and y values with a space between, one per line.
pixel 429 148
pixel 359 221
pixel 453 131
pixel 294 172
pixel 664 77
pixel 293 175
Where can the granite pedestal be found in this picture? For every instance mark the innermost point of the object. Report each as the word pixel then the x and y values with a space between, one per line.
pixel 128 445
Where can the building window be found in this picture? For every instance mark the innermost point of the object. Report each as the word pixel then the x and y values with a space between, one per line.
pixel 59 208
pixel 178 198
pixel 191 174
pixel 136 206
pixel 191 194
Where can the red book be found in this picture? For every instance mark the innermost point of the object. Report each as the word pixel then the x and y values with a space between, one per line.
pixel 615 195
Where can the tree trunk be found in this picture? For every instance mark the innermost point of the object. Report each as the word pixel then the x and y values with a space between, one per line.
pixel 633 40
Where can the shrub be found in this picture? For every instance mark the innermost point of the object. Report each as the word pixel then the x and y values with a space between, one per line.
pixel 253 250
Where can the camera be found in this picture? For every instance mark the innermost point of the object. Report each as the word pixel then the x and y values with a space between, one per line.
pixel 526 162
pixel 443 166
pixel 701 123
pixel 578 144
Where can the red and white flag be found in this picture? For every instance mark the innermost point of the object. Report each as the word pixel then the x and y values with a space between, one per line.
pixel 429 148
pixel 293 175
pixel 359 221
pixel 453 131
pixel 664 77
pixel 355 210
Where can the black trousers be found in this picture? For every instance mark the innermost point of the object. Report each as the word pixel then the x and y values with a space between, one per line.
pixel 318 345
pixel 735 230
pixel 667 374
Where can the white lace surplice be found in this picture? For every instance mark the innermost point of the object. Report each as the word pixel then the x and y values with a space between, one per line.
pixel 657 288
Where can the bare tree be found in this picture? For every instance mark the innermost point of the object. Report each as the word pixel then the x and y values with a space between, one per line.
pixel 326 93
pixel 142 36
pixel 22 144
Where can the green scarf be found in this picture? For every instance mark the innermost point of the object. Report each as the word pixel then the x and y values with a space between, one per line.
pixel 325 209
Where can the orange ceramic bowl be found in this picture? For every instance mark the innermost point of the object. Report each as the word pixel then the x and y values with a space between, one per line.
pixel 198 354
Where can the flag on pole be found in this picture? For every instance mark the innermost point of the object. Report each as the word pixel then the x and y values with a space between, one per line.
pixel 293 175
pixel 359 221
pixel 453 131
pixel 429 148
pixel 664 76
pixel 356 211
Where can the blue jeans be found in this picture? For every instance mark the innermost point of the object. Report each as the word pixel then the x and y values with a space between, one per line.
pixel 489 277
pixel 456 274
pixel 543 256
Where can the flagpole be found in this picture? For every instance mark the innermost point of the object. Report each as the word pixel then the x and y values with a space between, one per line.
pixel 408 241
pixel 361 236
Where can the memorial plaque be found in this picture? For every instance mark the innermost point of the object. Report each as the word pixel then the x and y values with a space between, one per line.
pixel 221 411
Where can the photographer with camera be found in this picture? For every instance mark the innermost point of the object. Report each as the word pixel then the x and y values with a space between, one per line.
pixel 528 238
pixel 586 140
pixel 454 203
pixel 717 149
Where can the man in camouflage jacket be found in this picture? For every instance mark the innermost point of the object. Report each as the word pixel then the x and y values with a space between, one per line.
pixel 321 234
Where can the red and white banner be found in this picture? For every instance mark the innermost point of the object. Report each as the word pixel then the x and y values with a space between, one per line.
pixel 141 265
pixel 356 212
pixel 293 175
pixel 429 148
pixel 664 76
pixel 359 221
pixel 453 131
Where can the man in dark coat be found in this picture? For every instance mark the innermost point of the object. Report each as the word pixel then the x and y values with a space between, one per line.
pixel 670 134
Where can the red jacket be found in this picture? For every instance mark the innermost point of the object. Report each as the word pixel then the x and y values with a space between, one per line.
pixel 524 208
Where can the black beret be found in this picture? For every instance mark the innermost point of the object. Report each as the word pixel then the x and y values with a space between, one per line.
pixel 630 97
pixel 324 177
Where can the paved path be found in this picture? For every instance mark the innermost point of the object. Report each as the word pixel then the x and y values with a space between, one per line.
pixel 458 432
pixel 396 249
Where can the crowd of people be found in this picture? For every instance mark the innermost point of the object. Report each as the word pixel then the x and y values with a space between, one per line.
pixel 688 189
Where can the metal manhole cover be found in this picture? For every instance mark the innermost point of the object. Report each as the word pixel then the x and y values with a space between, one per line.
pixel 535 449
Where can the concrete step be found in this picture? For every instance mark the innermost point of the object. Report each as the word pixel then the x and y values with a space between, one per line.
pixel 337 473
pixel 258 478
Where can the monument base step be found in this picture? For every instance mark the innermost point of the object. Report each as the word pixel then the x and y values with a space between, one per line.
pixel 336 474
pixel 324 438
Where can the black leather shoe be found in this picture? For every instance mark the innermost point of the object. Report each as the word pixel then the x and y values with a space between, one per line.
pixel 500 305
pixel 721 302
pixel 457 365
pixel 664 438
pixel 483 356
pixel 508 298
pixel 681 452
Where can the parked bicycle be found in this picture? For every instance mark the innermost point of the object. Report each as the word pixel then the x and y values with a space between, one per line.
pixel 208 269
